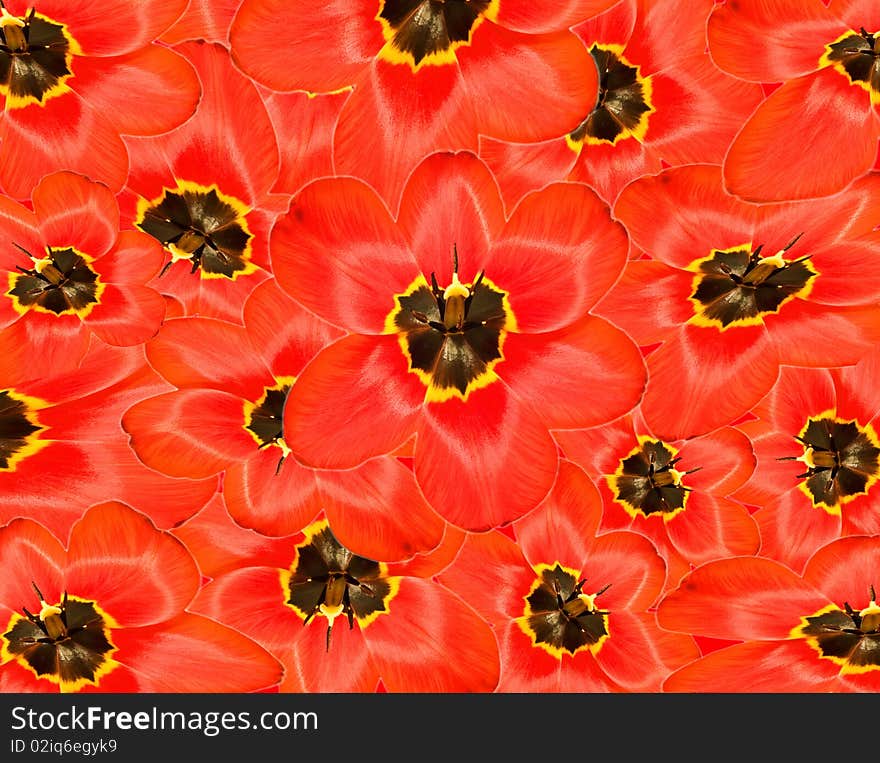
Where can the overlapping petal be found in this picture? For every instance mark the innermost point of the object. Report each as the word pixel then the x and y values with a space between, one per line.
pixel 553 635
pixel 68 90
pixel 829 115
pixel 137 628
pixel 445 635
pixel 815 641
pixel 438 347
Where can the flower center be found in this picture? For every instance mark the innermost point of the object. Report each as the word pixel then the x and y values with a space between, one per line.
pixel 264 419
pixel 19 428
pixel 558 617
pixel 201 225
pixel 67 643
pixel 857 56
pixel 849 638
pixel 327 579
pixel 453 337
pixel 624 102
pixel 646 481
pixel 738 286
pixel 35 57
pixel 427 32
pixel 842 459
pixel 61 283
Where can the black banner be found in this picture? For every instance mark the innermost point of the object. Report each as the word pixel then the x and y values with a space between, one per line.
pixel 395 726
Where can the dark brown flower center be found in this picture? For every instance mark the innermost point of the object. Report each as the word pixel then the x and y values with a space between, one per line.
pixel 452 337
pixel 842 459
pixel 558 617
pixel 847 637
pixel 67 643
pixel 624 102
pixel 264 419
pixel 19 428
pixel 738 286
pixel 203 226
pixel 62 283
pixel 857 55
pixel 429 31
pixel 647 483
pixel 35 58
pixel 329 580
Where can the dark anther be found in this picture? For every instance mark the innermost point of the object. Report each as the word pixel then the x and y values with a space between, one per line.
pixel 22 249
pixel 422 318
pixel 791 243
pixel 855 616
pixel 456 320
pixel 602 590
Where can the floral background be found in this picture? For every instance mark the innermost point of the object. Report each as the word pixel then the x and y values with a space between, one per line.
pixel 439 346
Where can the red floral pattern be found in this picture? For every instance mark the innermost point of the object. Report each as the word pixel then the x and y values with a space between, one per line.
pixel 421 346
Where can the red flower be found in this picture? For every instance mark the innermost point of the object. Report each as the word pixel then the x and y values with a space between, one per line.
pixel 204 191
pixel 469 330
pixel 426 75
pixel 570 607
pixel 734 290
pixel 818 131
pixel 107 613
pixel 382 622
pixel 70 273
pixel 226 416
pixel 675 492
pixel 62 448
pixel 815 632
pixel 73 79
pixel 816 438
pixel 660 99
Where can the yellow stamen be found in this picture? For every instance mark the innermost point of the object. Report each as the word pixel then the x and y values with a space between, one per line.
pixel 13 31
pixel 776 260
pixel 51 617
pixel 8 20
pixel 331 612
pixel 47 610
pixel 764 267
pixel 870 617
pixel 589 601
pixel 456 289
